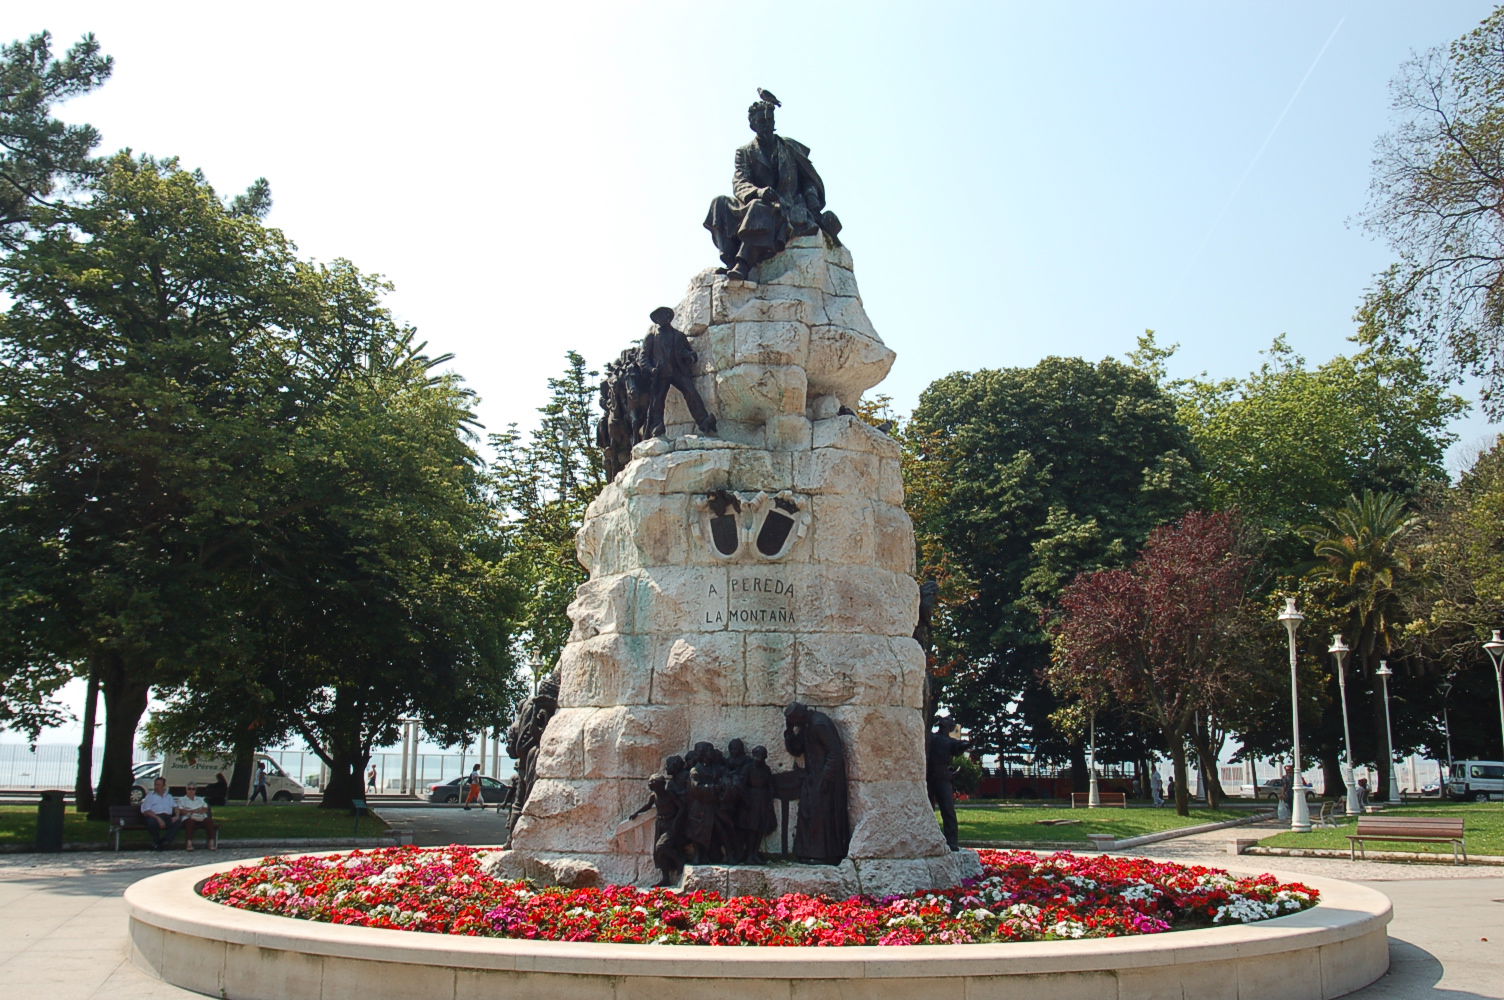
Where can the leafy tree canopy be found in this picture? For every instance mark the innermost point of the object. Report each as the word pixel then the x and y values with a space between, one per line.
pixel 544 483
pixel 142 370
pixel 1045 471
pixel 1438 200
pixel 1166 637
pixel 1290 441
pixel 37 151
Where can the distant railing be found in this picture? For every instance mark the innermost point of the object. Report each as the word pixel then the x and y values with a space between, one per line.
pixel 55 765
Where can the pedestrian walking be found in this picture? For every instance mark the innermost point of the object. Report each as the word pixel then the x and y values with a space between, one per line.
pixel 472 787
pixel 259 786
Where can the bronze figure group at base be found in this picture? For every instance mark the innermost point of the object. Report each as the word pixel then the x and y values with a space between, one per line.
pixel 716 808
pixel 635 391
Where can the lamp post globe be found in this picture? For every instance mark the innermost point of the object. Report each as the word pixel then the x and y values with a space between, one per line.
pixel 1339 649
pixel 1300 816
pixel 1383 674
pixel 1495 650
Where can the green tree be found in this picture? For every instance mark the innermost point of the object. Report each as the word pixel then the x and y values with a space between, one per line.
pixel 38 153
pixel 378 591
pixel 1044 472
pixel 1460 599
pixel 1290 441
pixel 1461 538
pixel 1437 196
pixel 544 483
pixel 140 378
pixel 1365 559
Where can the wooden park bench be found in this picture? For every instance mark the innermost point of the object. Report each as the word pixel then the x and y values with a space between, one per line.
pixel 124 818
pixel 1106 798
pixel 1412 829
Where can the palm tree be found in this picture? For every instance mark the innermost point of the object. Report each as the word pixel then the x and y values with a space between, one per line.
pixel 1363 555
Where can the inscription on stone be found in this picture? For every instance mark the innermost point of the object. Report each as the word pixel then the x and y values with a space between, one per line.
pixel 752 601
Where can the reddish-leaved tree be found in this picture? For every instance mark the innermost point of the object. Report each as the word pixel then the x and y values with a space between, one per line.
pixel 1162 637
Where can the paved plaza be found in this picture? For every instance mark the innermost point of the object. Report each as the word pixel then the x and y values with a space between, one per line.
pixel 63 922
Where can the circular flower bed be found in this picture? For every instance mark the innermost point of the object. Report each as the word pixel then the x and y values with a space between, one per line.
pixel 1022 897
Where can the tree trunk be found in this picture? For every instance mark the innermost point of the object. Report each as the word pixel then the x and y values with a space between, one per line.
pixel 1177 762
pixel 1208 762
pixel 1079 774
pixel 83 782
pixel 1331 772
pixel 345 780
pixel 244 754
pixel 124 704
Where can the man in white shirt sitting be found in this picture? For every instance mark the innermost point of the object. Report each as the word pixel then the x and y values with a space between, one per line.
pixel 194 813
pixel 160 812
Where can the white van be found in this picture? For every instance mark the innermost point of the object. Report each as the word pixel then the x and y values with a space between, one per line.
pixel 1478 780
pixel 181 768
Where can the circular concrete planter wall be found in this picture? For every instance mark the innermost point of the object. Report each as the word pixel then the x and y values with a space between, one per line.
pixel 1327 951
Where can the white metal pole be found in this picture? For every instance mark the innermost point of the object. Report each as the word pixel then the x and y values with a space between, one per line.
pixel 1093 796
pixel 402 786
pixel 1394 781
pixel 1300 815
pixel 1495 649
pixel 1339 649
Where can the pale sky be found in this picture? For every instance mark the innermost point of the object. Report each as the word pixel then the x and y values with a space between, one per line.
pixel 1016 179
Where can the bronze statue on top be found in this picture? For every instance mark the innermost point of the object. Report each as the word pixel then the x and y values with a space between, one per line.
pixel 777 195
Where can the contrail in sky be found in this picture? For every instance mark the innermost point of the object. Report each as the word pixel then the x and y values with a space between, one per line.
pixel 1233 194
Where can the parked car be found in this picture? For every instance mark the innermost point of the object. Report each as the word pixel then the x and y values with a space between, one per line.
pixel 492 791
pixel 1271 789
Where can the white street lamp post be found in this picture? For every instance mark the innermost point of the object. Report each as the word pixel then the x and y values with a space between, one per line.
pixel 1495 649
pixel 1384 673
pixel 1300 816
pixel 1446 724
pixel 1339 649
pixel 1093 797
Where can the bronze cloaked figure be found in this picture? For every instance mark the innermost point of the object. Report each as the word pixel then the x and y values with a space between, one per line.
pixel 670 361
pixel 822 834
pixel 776 196
pixel 943 746
pixel 524 737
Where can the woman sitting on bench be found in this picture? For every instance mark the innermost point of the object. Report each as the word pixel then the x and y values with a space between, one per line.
pixel 195 813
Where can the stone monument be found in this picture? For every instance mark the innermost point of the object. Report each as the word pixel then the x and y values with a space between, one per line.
pixel 732 576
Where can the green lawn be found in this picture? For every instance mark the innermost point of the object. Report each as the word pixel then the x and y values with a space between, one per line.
pixel 1482 826
pixel 18 824
pixel 1022 824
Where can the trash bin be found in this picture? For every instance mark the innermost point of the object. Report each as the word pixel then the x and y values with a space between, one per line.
pixel 50 821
